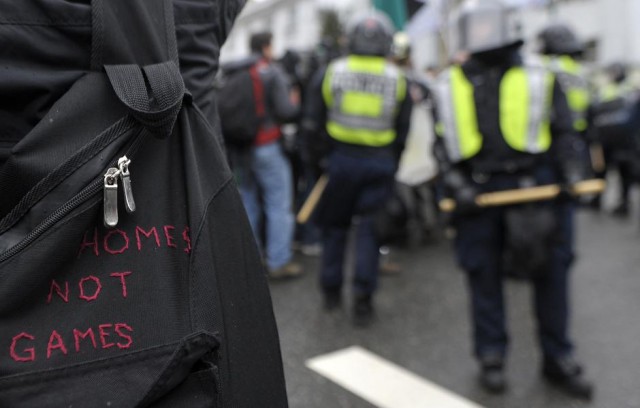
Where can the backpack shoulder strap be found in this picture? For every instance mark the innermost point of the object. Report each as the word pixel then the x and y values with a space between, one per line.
pixel 135 42
pixel 258 90
pixel 138 32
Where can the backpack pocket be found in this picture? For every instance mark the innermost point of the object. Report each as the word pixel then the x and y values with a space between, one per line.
pixel 181 371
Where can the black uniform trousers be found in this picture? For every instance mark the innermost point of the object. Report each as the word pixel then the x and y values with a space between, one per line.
pixel 358 186
pixel 480 245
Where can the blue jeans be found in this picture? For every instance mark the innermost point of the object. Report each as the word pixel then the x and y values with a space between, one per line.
pixel 267 190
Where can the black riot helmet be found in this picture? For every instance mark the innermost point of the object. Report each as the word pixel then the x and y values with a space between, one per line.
pixel 559 39
pixel 370 34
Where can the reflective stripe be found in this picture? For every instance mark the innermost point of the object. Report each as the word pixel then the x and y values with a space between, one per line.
pixel 362 94
pixel 446 126
pixel 358 122
pixel 525 96
pixel 361 137
pixel 458 117
pixel 539 82
pixel 466 120
pixel 546 105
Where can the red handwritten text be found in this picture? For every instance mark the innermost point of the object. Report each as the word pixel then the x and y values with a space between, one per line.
pixel 26 347
pixel 117 241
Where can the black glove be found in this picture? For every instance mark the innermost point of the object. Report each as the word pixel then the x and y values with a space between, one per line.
pixel 573 171
pixel 462 190
pixel 465 197
pixel 566 192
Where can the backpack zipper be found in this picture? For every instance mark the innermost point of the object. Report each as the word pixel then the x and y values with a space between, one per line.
pixel 110 198
pixel 110 195
pixel 121 129
pixel 125 176
pixel 91 190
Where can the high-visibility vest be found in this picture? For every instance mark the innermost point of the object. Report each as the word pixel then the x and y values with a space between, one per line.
pixel 525 94
pixel 363 95
pixel 571 76
pixel 614 90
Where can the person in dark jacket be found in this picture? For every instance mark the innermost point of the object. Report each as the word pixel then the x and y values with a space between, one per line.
pixel 357 120
pixel 504 123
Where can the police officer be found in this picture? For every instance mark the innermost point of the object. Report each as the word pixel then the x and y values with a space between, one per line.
pixel 616 118
pixel 504 123
pixel 561 47
pixel 357 118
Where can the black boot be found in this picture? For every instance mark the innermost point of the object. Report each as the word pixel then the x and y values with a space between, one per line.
pixel 362 311
pixel 566 374
pixel 492 377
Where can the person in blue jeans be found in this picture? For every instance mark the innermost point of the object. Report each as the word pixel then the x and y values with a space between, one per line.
pixel 362 103
pixel 266 186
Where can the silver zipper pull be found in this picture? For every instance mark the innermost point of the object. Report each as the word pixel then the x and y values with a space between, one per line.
pixel 123 165
pixel 111 197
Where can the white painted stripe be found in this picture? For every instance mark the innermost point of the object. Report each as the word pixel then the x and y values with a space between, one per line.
pixel 383 383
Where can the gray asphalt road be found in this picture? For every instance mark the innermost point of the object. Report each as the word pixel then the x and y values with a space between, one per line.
pixel 423 325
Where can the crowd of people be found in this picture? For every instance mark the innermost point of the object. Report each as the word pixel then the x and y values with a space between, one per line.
pixel 384 143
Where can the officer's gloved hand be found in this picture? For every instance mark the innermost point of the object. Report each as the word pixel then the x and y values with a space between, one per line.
pixel 464 193
pixel 465 197
pixel 323 165
pixel 566 193
pixel 572 174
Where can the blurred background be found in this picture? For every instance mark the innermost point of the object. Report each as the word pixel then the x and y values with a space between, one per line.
pixel 609 28
pixel 418 351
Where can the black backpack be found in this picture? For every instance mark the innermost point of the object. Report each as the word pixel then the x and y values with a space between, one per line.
pixel 129 275
pixel 241 104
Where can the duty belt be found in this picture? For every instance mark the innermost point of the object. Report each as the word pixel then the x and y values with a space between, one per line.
pixel 482 172
pixel 366 151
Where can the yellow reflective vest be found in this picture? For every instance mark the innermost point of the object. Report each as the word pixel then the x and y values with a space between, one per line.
pixel 571 76
pixel 613 90
pixel 525 103
pixel 363 95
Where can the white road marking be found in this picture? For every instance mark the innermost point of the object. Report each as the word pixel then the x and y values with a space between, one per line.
pixel 382 383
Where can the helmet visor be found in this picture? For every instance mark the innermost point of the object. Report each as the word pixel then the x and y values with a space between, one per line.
pixel 483 30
